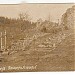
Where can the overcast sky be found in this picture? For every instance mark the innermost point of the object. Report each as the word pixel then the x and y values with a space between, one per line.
pixel 35 11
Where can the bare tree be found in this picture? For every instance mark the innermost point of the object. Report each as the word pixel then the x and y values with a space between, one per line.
pixel 24 16
pixel 49 18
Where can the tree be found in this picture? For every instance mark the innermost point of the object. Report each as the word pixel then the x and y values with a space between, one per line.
pixel 25 20
pixel 48 18
pixel 24 16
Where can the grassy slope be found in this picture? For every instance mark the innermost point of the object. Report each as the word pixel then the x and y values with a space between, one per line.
pixel 60 59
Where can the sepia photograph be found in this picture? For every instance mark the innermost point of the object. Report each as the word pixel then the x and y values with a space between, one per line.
pixel 37 37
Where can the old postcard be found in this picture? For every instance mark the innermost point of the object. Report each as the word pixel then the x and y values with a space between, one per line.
pixel 37 37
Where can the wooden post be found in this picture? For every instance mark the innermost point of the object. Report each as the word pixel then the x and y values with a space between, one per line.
pixel 49 17
pixel 5 39
pixel 58 22
pixel 1 41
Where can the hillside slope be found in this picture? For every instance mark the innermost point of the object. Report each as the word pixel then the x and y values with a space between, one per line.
pixel 45 57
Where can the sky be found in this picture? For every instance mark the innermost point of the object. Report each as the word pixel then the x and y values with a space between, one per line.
pixel 35 11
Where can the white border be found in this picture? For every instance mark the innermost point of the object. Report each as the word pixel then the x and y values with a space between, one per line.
pixel 39 73
pixel 35 1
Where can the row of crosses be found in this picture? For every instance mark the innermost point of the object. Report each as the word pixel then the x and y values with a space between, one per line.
pixel 1 38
